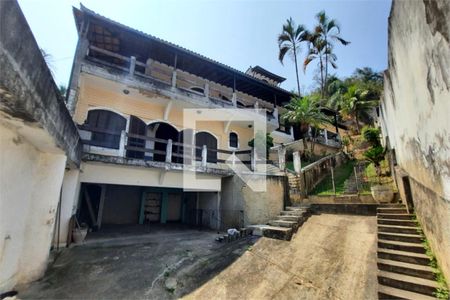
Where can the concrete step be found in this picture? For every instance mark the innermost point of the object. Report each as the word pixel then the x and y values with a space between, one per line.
pixel 392 210
pixel 395 216
pixel 403 256
pixel 295 208
pixel 401 246
pixel 388 293
pixel 392 205
pixel 396 222
pixel 401 237
pixel 292 212
pixel 408 283
pixel 399 229
pixel 399 267
pixel 274 232
pixel 280 223
pixel 289 218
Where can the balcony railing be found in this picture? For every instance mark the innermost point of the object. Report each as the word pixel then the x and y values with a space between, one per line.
pixel 176 78
pixel 134 146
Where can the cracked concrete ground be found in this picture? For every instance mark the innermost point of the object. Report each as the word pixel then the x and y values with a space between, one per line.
pixel 330 257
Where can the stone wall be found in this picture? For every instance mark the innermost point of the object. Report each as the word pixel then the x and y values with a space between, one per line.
pixel 415 113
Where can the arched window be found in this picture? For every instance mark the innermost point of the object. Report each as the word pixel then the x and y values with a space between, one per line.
pixel 106 127
pixel 205 138
pixel 198 89
pixel 233 140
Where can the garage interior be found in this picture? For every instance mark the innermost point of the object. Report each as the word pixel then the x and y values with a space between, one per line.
pixel 108 209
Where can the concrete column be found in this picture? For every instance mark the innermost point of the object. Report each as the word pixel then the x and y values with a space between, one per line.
pixel 169 151
pixel 204 155
pixel 174 78
pixel 276 114
pixel 206 89
pixel 282 157
pixel 292 131
pixel 234 99
pixel 123 142
pixel 233 162
pixel 219 218
pixel 297 162
pixel 325 134
pixel 132 65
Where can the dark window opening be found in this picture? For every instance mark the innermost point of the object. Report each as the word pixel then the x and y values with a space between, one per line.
pixel 106 127
pixel 205 138
pixel 233 139
pixel 198 89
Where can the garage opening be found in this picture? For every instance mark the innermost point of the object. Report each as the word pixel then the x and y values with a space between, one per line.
pixel 112 210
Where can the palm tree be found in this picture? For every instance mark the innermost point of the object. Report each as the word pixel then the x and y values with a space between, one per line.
pixel 321 42
pixel 305 112
pixel 289 41
pixel 357 103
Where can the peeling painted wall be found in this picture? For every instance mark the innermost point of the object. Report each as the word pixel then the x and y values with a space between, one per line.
pixel 415 112
pixel 239 201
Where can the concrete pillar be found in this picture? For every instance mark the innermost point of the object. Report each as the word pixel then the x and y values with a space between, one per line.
pixel 169 151
pixel 282 157
pixel 174 78
pixel 206 89
pixel 297 162
pixel 292 131
pixel 276 114
pixel 204 155
pixel 234 99
pixel 132 65
pixel 123 142
pixel 219 218
pixel 325 134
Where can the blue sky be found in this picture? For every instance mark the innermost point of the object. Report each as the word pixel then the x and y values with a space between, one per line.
pixel 237 33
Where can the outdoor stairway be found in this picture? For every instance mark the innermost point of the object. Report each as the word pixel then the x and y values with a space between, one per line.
pixel 285 225
pixel 403 266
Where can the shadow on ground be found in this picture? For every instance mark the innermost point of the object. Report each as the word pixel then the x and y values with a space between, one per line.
pixel 164 265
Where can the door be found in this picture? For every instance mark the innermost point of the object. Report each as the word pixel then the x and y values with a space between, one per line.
pixel 152 207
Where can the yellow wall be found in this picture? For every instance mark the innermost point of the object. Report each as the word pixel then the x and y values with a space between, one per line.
pixel 100 93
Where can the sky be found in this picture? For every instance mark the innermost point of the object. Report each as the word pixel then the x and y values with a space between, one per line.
pixel 237 33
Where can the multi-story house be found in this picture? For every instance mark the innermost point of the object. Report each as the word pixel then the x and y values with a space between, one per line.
pixel 127 93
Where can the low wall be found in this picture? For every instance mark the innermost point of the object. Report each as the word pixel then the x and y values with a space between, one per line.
pixel 341 199
pixel 346 209
pixel 255 207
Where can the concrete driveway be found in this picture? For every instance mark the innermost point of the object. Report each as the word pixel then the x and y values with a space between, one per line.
pixel 166 264
pixel 330 257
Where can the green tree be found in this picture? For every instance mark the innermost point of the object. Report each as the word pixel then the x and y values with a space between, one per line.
pixel 289 42
pixel 357 104
pixel 305 112
pixel 321 44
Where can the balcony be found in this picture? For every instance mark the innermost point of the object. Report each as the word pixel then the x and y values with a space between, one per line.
pixel 138 150
pixel 185 86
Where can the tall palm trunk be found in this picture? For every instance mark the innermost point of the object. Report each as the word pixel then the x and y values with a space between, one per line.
pixel 296 70
pixel 321 77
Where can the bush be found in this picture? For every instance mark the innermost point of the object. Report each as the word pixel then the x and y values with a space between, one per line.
pixel 372 135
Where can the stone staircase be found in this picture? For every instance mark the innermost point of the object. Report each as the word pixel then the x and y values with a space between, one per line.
pixel 403 266
pixel 285 225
